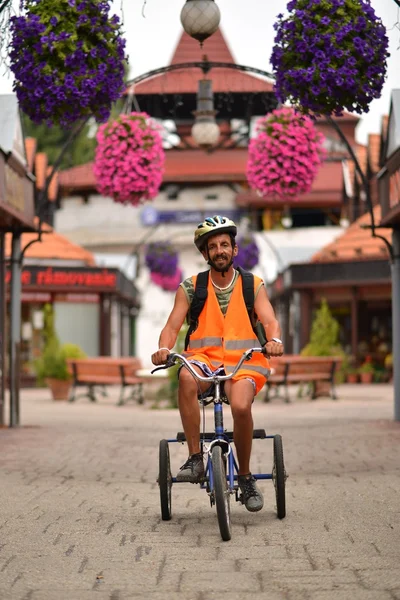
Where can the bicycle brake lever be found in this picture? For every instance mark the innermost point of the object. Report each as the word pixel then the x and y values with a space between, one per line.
pixel 158 369
pixel 169 363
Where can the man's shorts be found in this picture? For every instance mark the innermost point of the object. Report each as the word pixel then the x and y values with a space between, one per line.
pixel 208 373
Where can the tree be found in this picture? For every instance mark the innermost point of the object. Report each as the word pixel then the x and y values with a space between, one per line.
pixel 51 139
pixel 324 338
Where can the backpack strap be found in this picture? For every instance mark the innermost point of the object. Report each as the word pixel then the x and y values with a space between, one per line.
pixel 248 291
pixel 248 296
pixel 198 301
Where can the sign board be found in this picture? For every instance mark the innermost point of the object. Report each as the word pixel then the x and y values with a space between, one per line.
pixel 150 216
pixel 67 278
pixel 16 184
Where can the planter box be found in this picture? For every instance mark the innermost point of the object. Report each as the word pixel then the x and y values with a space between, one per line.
pixel 59 388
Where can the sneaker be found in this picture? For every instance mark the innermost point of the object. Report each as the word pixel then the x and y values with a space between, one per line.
pixel 252 498
pixel 193 469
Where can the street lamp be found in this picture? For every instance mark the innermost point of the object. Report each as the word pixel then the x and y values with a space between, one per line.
pixel 286 219
pixel 205 130
pixel 200 18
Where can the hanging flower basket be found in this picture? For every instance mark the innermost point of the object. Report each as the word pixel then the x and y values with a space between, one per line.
pixel 249 254
pixel 129 161
pixel 169 283
pixel 162 258
pixel 67 58
pixel 330 55
pixel 285 155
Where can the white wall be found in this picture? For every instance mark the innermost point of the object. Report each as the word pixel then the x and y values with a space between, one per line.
pixel 112 230
pixel 290 246
pixel 78 323
pixel 102 221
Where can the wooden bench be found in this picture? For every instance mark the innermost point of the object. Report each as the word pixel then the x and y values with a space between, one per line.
pixel 101 371
pixel 295 369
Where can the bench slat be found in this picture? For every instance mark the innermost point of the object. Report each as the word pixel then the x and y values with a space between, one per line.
pixel 107 370
pixel 292 369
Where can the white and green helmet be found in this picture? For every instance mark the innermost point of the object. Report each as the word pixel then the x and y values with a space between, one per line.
pixel 213 226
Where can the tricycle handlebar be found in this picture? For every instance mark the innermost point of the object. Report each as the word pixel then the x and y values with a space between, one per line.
pixel 174 357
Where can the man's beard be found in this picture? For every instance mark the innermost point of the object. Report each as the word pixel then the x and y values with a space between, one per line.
pixel 221 270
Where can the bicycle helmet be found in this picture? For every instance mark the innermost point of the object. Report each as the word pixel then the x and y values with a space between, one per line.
pixel 213 226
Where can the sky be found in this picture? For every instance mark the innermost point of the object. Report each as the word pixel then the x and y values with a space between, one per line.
pixel 248 29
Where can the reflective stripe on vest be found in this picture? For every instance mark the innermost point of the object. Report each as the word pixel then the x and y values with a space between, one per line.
pixel 206 341
pixel 210 363
pixel 241 344
pixel 262 370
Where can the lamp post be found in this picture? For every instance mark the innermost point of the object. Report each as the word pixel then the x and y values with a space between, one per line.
pixel 205 130
pixel 200 19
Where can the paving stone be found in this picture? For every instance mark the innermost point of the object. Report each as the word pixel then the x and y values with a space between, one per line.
pixel 80 509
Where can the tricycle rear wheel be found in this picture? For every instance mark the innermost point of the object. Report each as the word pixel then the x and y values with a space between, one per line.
pixel 279 477
pixel 165 481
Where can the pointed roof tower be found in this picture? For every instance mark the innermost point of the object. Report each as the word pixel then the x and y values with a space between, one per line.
pixel 185 81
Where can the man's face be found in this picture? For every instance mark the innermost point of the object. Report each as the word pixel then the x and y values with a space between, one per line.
pixel 219 251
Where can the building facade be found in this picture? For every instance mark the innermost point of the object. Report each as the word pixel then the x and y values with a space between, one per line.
pixel 198 183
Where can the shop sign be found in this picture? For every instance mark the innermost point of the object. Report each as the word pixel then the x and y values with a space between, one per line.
pixel 67 278
pixel 151 216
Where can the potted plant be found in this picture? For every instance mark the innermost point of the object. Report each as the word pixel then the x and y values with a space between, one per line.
pixel 366 372
pixel 324 341
pixel 129 161
pixel 249 253
pixel 285 155
pixel 51 366
pixel 162 258
pixel 352 375
pixel 329 55
pixel 52 369
pixel 67 59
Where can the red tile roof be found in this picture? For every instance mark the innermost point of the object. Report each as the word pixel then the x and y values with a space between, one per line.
pixel 40 169
pixel 191 166
pixel 197 166
pixel 30 149
pixel 356 243
pixel 185 81
pixel 374 148
pixel 53 187
pixel 52 246
pixel 326 191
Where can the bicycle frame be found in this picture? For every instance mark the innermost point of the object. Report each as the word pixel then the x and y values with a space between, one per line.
pixel 219 436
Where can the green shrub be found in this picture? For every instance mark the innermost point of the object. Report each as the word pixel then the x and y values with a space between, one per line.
pixel 52 363
pixel 324 340
pixel 73 351
pixel 366 367
pixel 324 337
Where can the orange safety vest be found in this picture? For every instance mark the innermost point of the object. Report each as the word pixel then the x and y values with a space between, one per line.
pixel 220 340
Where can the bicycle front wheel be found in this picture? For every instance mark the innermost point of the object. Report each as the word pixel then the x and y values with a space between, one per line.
pixel 221 492
pixel 165 481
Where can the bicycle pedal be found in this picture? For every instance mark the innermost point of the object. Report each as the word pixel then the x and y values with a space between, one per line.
pixel 239 497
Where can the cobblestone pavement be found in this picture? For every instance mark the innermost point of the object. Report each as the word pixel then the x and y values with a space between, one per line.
pixel 80 515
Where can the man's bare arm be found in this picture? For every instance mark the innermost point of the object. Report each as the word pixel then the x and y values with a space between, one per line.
pixel 266 314
pixel 172 327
